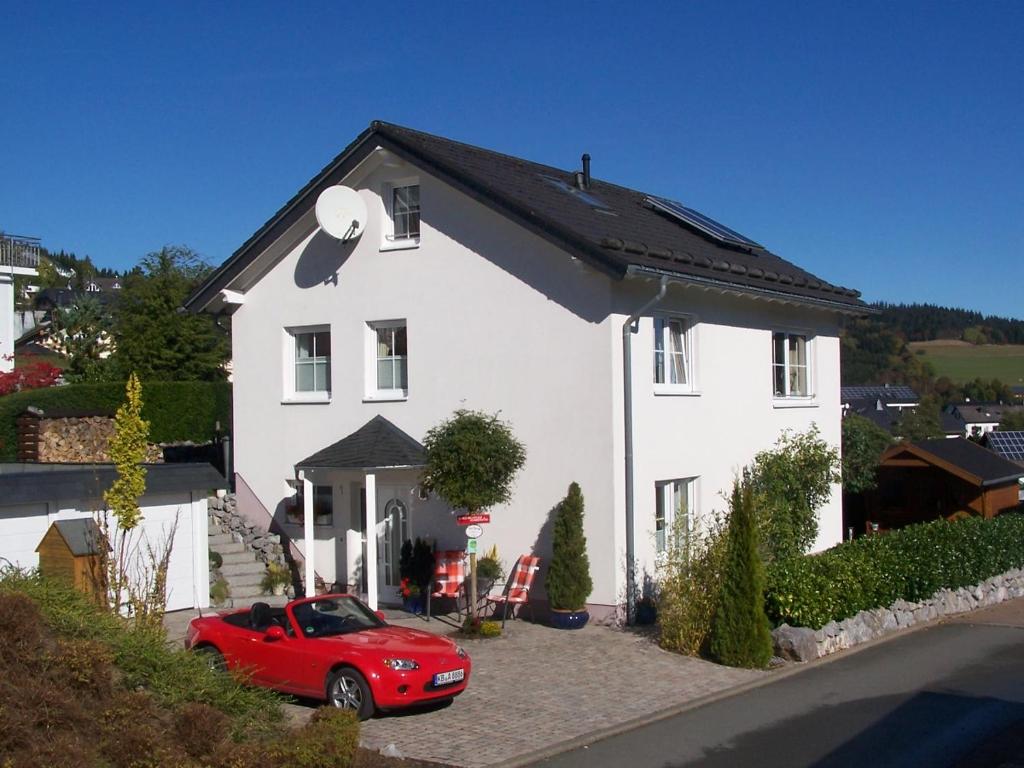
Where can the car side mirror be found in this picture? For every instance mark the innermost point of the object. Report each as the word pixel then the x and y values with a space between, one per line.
pixel 275 633
pixel 380 615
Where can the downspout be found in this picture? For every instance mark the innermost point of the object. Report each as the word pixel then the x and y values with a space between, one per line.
pixel 627 395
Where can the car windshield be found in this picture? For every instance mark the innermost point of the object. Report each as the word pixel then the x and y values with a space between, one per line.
pixel 334 616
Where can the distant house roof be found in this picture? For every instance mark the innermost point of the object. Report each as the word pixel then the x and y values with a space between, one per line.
pixel 1007 443
pixel 82 536
pixel 375 445
pixel 985 413
pixel 886 392
pixel 612 228
pixel 28 482
pixel 961 457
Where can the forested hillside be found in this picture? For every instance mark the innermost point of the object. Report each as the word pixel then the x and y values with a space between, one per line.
pixel 926 322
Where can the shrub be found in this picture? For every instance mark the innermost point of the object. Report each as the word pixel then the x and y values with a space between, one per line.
pixel 874 571
pixel 477 627
pixel 176 410
pixel 329 740
pixel 568 581
pixel 200 729
pixel 688 580
pixel 216 559
pixel 489 567
pixel 740 633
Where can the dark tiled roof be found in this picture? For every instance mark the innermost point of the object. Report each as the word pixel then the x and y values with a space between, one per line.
pixel 982 413
pixel 884 392
pixel 626 232
pixel 82 536
pixel 950 424
pixel 987 466
pixel 378 443
pixel 27 482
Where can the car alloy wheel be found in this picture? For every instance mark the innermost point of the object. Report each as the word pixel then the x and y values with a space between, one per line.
pixel 214 658
pixel 347 689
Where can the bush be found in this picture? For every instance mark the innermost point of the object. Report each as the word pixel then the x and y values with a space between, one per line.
pixel 175 410
pixel 688 582
pixel 329 740
pixel 568 581
pixel 909 564
pixel 740 634
pixel 480 627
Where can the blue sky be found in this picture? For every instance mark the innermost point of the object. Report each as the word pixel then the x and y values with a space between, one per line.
pixel 877 144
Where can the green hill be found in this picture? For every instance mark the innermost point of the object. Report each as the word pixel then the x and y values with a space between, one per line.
pixel 962 362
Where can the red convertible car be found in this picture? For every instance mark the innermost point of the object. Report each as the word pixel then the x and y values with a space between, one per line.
pixel 333 647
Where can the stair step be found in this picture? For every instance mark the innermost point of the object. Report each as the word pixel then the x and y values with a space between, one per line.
pixel 235 558
pixel 222 538
pixel 239 570
pixel 229 549
pixel 246 599
pixel 252 580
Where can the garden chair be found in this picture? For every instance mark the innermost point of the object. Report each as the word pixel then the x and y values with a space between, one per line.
pixel 517 590
pixel 449 577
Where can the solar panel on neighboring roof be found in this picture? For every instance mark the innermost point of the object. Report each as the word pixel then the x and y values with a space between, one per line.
pixel 1009 445
pixel 891 392
pixel 700 221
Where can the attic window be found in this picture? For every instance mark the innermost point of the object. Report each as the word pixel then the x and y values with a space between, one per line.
pixel 579 194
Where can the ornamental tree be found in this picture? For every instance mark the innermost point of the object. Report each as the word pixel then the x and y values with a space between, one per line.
pixel 568 580
pixel 864 442
pixel 472 461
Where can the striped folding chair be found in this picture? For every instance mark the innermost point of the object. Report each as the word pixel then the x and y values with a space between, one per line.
pixel 449 577
pixel 517 590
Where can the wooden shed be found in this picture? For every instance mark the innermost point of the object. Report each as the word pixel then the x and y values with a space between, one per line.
pixel 930 479
pixel 70 551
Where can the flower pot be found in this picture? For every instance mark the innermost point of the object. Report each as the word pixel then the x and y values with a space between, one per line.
pixel 278 589
pixel 413 604
pixel 569 619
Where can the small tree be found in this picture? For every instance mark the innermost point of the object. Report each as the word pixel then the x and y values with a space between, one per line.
pixel 790 483
pixel 568 580
pixel 472 460
pixel 921 422
pixel 863 445
pixel 740 633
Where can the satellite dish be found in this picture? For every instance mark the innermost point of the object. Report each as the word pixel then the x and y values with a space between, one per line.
pixel 341 213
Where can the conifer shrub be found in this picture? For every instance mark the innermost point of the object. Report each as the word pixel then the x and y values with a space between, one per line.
pixel 740 632
pixel 568 579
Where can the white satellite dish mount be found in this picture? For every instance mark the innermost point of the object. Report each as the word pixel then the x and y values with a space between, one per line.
pixel 341 213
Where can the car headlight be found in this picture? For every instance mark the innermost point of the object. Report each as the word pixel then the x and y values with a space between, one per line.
pixel 461 652
pixel 403 665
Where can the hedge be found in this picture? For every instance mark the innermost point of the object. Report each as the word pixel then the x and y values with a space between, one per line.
pixel 176 410
pixel 910 564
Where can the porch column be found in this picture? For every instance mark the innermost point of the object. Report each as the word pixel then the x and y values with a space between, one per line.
pixel 371 541
pixel 308 534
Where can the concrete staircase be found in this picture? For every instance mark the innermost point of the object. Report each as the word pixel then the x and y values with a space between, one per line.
pixel 241 569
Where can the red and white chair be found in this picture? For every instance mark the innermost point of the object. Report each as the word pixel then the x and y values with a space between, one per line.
pixel 517 590
pixel 449 577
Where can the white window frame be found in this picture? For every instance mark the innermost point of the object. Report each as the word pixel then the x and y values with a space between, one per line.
pixel 665 509
pixel 786 398
pixel 660 327
pixel 388 240
pixel 288 364
pixel 373 392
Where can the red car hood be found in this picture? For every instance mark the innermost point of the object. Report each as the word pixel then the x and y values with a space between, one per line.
pixel 397 640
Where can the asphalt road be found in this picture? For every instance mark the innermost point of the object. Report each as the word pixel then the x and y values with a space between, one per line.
pixel 951 694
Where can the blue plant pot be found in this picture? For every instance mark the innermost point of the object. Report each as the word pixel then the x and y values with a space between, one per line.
pixel 569 619
pixel 413 604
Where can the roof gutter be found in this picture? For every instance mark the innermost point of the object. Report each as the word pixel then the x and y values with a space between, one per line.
pixel 1001 480
pixel 637 270
pixel 627 409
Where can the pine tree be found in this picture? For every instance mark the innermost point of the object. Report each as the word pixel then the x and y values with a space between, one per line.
pixel 740 633
pixel 568 579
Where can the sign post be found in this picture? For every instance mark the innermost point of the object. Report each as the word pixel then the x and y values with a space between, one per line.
pixel 473 522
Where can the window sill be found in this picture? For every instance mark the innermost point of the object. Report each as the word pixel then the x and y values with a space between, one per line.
pixel 661 390
pixel 324 399
pixel 387 397
pixel 794 402
pixel 400 245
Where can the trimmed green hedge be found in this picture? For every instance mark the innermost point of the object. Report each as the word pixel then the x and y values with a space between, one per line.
pixel 176 410
pixel 910 564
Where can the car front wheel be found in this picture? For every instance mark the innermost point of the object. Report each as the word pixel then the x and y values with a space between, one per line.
pixel 347 689
pixel 214 658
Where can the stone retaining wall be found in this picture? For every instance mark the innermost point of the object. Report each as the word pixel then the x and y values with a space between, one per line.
pixel 265 546
pixel 804 644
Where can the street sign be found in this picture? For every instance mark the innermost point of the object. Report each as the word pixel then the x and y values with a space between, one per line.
pixel 471 547
pixel 474 531
pixel 476 519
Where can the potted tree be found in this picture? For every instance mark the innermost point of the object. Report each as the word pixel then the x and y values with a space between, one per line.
pixel 568 579
pixel 276 579
pixel 472 459
pixel 488 570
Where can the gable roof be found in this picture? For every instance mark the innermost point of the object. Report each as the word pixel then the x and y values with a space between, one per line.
pixel 82 536
pixel 985 413
pixel 627 234
pixel 375 445
pixel 961 457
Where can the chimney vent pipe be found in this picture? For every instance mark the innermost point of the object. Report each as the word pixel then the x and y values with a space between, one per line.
pixel 586 171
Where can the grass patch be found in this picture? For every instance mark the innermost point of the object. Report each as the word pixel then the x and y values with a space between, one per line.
pixel 961 362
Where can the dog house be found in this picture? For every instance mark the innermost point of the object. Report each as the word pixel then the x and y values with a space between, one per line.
pixel 71 551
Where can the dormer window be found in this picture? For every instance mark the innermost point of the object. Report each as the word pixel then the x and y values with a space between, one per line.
pixel 402 202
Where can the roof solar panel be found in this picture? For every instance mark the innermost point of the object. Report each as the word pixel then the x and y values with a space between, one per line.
pixel 891 392
pixel 1009 445
pixel 700 221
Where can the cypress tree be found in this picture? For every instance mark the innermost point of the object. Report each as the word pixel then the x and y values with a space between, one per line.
pixel 568 579
pixel 740 633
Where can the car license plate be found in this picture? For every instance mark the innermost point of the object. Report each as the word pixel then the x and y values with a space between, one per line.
pixel 444 678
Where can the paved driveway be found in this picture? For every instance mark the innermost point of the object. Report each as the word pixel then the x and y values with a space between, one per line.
pixel 536 688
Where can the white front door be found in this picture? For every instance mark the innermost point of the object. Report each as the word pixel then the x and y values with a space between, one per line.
pixel 393 528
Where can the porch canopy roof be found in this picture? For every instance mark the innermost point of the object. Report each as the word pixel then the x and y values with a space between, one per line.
pixel 378 444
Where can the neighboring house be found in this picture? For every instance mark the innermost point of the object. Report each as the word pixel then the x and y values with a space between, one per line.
pixel 36 495
pixel 1010 445
pixel 941 478
pixel 487 282
pixel 883 404
pixel 978 418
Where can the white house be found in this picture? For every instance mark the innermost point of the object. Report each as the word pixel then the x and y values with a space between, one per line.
pixel 487 282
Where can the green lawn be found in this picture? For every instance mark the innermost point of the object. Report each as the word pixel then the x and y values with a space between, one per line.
pixel 966 362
